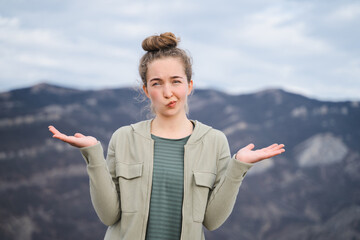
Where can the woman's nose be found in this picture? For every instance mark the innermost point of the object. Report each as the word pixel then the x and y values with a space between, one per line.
pixel 167 91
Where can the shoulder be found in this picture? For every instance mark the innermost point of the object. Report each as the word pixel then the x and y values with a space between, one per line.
pixel 219 136
pixel 142 128
pixel 123 130
pixel 212 134
pixel 216 142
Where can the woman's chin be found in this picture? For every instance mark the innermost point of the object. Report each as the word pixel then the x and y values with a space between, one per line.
pixel 171 113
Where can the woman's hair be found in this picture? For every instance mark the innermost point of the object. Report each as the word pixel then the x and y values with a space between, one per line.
pixel 162 46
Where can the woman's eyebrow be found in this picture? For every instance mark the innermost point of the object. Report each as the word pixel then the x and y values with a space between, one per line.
pixel 176 77
pixel 155 79
pixel 159 79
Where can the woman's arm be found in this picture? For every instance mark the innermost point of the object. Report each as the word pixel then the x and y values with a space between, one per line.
pixel 104 188
pixel 230 174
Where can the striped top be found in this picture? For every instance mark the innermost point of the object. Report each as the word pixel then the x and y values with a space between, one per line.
pixel 165 215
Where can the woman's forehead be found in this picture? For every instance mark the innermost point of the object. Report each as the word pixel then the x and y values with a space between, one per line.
pixel 166 66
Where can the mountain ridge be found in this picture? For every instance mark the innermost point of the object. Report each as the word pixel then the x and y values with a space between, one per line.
pixel 261 91
pixel 44 186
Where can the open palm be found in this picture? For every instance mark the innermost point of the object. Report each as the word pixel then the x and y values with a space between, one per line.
pixel 248 155
pixel 78 140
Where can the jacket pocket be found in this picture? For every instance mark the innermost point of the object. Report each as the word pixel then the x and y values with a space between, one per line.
pixel 129 177
pixel 203 183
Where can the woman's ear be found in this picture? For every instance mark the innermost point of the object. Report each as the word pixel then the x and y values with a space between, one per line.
pixel 190 87
pixel 146 91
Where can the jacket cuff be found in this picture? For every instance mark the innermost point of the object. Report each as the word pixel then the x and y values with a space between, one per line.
pixel 236 169
pixel 93 155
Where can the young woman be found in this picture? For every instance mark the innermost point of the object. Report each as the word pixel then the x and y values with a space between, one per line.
pixel 166 177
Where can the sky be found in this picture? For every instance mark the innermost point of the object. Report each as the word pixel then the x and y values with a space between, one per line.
pixel 307 47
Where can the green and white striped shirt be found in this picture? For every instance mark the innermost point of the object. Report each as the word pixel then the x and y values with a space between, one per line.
pixel 165 216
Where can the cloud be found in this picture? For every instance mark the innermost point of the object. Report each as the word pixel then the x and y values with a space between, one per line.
pixel 8 22
pixel 12 34
pixel 349 12
pixel 235 70
pixel 350 69
pixel 276 28
pixel 237 46
pixel 39 54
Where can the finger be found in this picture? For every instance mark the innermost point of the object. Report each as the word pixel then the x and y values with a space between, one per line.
pixel 79 135
pixel 278 147
pixel 60 136
pixel 267 149
pixel 54 130
pixel 272 146
pixel 275 153
pixel 68 139
pixel 250 146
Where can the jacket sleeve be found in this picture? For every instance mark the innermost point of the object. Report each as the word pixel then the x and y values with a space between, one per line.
pixel 230 173
pixel 104 188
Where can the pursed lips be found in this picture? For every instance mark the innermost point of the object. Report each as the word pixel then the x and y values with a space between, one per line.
pixel 171 103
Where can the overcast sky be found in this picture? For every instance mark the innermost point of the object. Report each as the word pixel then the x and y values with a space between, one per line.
pixel 307 47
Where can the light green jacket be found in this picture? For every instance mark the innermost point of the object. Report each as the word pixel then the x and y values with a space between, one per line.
pixel 120 186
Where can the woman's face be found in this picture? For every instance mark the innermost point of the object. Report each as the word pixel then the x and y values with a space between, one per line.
pixel 167 86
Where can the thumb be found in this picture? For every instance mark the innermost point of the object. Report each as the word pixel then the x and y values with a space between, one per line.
pixel 250 146
pixel 79 135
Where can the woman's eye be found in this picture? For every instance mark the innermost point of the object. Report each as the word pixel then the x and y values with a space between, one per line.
pixel 154 84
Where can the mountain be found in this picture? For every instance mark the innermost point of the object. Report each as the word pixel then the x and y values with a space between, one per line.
pixel 309 192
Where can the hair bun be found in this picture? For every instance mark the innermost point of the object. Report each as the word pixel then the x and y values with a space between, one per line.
pixel 163 41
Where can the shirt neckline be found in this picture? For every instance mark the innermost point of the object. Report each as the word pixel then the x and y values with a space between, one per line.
pixel 170 139
pixel 174 139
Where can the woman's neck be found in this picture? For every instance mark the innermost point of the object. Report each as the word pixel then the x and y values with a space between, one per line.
pixel 178 127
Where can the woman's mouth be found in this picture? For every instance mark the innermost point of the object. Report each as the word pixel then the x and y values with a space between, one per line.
pixel 171 104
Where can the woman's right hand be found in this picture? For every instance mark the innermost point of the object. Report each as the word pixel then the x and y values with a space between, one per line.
pixel 78 140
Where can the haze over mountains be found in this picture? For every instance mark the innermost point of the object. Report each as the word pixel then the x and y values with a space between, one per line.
pixel 312 191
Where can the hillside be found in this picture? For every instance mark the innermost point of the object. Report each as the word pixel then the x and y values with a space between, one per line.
pixel 309 192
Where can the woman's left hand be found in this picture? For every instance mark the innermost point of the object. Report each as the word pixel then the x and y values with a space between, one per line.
pixel 248 155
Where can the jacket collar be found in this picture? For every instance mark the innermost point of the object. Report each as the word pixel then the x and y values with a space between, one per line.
pixel 143 128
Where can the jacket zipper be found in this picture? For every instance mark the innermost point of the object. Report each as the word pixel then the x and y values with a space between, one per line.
pixel 149 190
pixel 182 221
